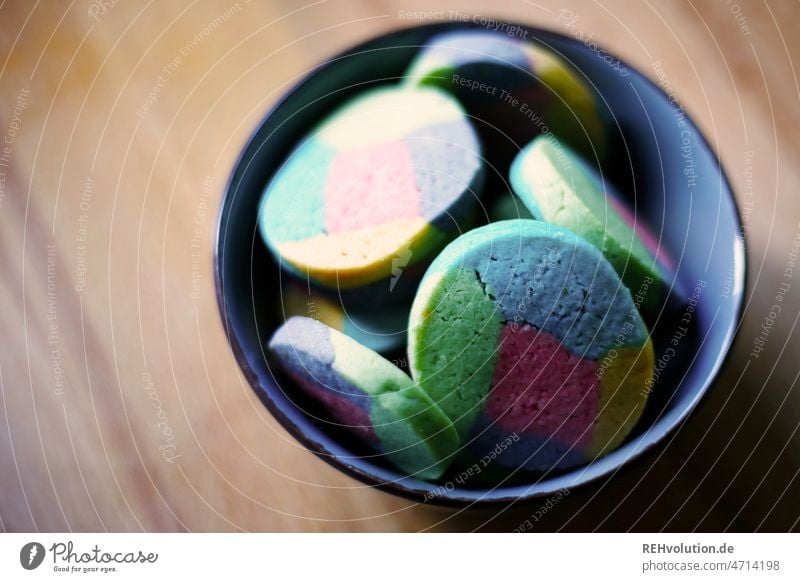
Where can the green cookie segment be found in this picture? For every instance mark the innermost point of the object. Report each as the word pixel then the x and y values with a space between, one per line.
pixel 343 375
pixel 453 342
pixel 555 185
pixel 414 432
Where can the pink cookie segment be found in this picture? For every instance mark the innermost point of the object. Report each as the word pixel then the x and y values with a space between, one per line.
pixel 341 409
pixel 371 186
pixel 540 387
pixel 644 233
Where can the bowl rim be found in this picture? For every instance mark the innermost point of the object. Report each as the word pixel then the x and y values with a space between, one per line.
pixel 457 497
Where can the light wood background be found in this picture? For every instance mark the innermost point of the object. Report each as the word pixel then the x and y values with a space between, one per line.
pixel 122 407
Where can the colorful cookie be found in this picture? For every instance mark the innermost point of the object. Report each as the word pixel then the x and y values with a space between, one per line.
pixel 522 329
pixel 379 186
pixel 557 186
pixel 382 330
pixel 368 395
pixel 514 89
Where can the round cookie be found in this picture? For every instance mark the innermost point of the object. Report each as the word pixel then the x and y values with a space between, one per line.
pixel 367 395
pixel 382 330
pixel 377 187
pixel 557 186
pixel 522 329
pixel 514 89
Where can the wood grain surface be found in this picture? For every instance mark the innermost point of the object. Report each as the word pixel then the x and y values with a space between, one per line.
pixel 122 406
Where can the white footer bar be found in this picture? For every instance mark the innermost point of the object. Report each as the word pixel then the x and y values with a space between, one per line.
pixel 389 557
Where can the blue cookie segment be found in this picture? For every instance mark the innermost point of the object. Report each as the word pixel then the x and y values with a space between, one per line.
pixel 558 186
pixel 526 451
pixel 509 324
pixel 440 155
pixel 574 294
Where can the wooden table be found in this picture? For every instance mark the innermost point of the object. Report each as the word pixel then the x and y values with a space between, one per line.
pixel 122 406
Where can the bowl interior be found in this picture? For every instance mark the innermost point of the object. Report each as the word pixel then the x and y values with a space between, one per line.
pixel 659 160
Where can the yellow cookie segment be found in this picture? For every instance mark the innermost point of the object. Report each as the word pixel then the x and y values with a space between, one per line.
pixel 354 258
pixel 315 306
pixel 422 307
pixel 578 111
pixel 359 365
pixel 623 394
pixel 389 114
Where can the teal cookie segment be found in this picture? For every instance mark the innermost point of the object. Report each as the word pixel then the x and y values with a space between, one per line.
pixel 557 186
pixel 294 210
pixel 368 395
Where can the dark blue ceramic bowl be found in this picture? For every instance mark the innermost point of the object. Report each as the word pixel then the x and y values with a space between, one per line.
pixel 660 159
